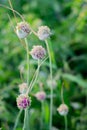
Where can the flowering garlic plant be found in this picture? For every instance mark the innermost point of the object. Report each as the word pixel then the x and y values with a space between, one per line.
pixel 43 32
pixel 23 101
pixel 63 109
pixel 41 96
pixel 22 29
pixel 40 54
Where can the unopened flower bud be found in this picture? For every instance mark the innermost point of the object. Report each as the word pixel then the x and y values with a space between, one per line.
pixel 63 109
pixel 38 52
pixel 23 101
pixel 43 32
pixel 40 95
pixel 22 29
pixel 23 88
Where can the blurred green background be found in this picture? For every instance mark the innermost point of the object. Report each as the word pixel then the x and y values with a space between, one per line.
pixel 67 20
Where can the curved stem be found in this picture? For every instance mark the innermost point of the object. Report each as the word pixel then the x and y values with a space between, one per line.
pixel 4 6
pixel 10 3
pixel 66 126
pixel 51 90
pixel 17 120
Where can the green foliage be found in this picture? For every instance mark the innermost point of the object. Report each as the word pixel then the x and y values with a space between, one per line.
pixel 68 22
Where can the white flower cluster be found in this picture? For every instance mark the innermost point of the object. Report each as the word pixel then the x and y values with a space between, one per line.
pixel 38 52
pixel 22 29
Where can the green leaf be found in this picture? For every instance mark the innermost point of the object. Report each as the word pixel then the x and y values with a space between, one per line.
pixel 80 81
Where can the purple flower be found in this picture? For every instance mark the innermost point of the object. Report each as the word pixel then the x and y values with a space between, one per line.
pixel 38 52
pixel 43 32
pixel 22 29
pixel 23 101
pixel 40 95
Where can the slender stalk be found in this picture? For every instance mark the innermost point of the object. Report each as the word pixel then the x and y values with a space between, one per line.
pixel 10 3
pixel 28 64
pixel 17 120
pixel 66 126
pixel 51 90
pixel 4 6
pixel 62 94
pixel 65 117
pixel 26 120
pixel 35 77
pixel 42 114
pixel 26 114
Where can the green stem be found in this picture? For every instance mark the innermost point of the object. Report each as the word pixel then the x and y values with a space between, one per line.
pixel 28 65
pixel 26 120
pixel 35 77
pixel 26 115
pixel 65 117
pixel 62 98
pixel 66 126
pixel 51 90
pixel 42 114
pixel 17 120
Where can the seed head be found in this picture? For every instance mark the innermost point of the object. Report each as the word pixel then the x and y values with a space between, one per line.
pixel 23 88
pixel 22 29
pixel 63 109
pixel 43 32
pixel 23 101
pixel 38 52
pixel 40 95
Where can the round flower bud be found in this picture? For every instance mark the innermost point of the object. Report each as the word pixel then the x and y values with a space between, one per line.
pixel 40 95
pixel 23 88
pixel 43 32
pixel 38 52
pixel 63 109
pixel 22 29
pixel 23 101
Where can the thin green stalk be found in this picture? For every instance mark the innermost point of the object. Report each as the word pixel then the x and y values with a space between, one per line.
pixel 26 120
pixel 42 114
pixel 28 64
pixel 62 94
pixel 26 114
pixel 65 117
pixel 10 3
pixel 33 79
pixel 36 76
pixel 17 120
pixel 66 126
pixel 51 90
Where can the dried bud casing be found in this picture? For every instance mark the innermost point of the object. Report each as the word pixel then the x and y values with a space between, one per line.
pixel 23 101
pixel 63 109
pixel 23 88
pixel 38 52
pixel 40 95
pixel 43 32
pixel 22 29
